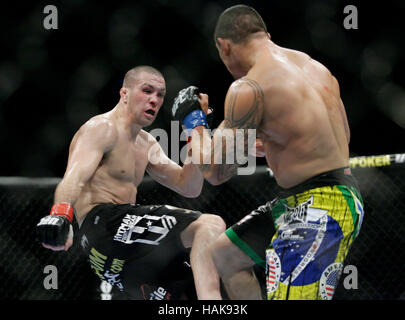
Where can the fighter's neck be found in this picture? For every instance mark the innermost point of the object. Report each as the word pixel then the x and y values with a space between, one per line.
pixel 254 52
pixel 125 119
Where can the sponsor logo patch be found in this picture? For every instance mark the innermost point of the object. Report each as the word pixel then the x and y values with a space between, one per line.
pixel 329 280
pixel 273 271
pixel 145 229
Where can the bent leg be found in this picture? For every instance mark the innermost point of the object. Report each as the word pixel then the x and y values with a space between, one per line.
pixel 236 270
pixel 200 235
pixel 240 248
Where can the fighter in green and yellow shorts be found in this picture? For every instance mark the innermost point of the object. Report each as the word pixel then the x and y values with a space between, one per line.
pixel 315 224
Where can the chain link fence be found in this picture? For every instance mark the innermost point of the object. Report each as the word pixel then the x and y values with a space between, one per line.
pixel 378 253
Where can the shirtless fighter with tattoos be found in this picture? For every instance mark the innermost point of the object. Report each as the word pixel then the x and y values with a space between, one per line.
pixel 301 237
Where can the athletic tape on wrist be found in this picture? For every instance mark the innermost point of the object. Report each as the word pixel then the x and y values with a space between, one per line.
pixel 63 209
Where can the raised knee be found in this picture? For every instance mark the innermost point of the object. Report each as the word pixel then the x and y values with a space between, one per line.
pixel 213 222
pixel 207 227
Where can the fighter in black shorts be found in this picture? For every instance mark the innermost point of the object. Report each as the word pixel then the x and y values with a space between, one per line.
pixel 138 248
pixel 133 247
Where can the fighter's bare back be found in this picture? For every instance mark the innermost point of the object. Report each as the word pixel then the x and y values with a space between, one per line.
pixel 304 126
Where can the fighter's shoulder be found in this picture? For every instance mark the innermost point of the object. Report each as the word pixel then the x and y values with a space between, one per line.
pixel 100 127
pixel 145 138
pixel 304 60
pixel 323 74
pixel 246 87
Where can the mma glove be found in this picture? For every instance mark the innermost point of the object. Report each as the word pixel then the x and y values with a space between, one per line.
pixel 187 109
pixel 55 228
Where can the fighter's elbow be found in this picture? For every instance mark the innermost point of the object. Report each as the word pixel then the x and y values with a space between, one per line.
pixel 214 176
pixel 214 181
pixel 192 195
pixel 192 192
pixel 194 189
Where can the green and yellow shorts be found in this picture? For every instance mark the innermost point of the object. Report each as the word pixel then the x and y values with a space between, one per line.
pixel 315 224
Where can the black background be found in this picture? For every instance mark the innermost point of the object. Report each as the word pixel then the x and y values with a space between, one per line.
pixel 52 81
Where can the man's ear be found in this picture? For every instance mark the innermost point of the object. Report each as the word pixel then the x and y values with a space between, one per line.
pixel 124 95
pixel 223 45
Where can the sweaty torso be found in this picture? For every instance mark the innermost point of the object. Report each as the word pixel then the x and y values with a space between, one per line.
pixel 304 126
pixel 118 174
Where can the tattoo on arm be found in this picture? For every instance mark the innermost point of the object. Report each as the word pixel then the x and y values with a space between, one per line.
pixel 252 117
pixel 238 116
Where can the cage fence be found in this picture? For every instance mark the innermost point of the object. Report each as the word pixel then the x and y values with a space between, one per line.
pixel 378 253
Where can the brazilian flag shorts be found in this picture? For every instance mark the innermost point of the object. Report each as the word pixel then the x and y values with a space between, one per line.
pixel 303 236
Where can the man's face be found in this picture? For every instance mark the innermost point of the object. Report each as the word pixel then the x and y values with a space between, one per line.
pixel 146 97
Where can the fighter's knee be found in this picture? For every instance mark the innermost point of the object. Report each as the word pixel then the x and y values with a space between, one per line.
pixel 213 222
pixel 207 227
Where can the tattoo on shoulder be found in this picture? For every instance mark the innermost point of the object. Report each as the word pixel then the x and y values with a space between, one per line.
pixel 237 116
pixel 252 114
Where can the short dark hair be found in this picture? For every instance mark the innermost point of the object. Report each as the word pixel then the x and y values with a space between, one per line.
pixel 238 23
pixel 130 76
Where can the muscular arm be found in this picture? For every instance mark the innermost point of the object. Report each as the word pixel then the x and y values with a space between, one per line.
pixel 186 180
pixel 86 151
pixel 243 110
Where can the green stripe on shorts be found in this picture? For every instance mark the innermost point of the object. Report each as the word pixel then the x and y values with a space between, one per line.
pixel 351 204
pixel 244 247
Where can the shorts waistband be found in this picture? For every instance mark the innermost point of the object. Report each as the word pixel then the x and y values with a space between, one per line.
pixel 103 209
pixel 340 176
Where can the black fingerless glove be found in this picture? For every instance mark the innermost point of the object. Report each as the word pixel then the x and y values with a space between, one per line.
pixel 54 228
pixel 187 109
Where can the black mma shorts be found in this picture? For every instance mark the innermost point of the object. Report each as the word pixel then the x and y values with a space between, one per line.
pixel 138 248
